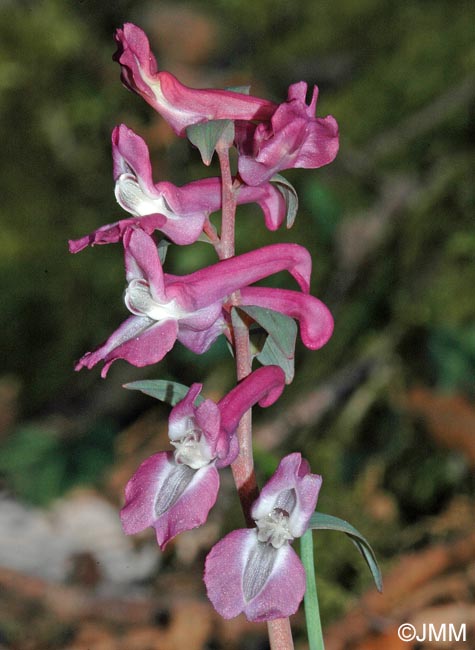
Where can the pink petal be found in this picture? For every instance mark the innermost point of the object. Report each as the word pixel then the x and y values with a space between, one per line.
pixel 283 591
pixel 179 105
pixel 294 138
pixel 235 583
pixel 292 482
pixel 269 199
pixel 172 498
pixel 182 413
pixel 215 282
pixel 131 154
pixel 113 232
pixel 142 261
pixel 316 321
pixel 192 506
pixel 138 340
pixel 264 385
pixel 141 491
pixel 224 569
pixel 199 341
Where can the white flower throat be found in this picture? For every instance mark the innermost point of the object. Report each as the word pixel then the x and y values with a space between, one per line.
pixel 193 449
pixel 138 299
pixel 274 529
pixel 134 199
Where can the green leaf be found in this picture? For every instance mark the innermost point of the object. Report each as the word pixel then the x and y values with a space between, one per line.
pixel 243 90
pixel 279 346
pixel 312 610
pixel 170 392
pixel 321 521
pixel 205 136
pixel 289 193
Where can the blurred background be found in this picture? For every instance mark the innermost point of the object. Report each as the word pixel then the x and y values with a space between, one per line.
pixel 385 412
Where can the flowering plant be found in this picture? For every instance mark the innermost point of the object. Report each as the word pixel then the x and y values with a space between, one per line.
pixel 253 570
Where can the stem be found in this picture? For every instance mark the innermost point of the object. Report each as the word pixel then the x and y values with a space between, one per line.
pixel 312 610
pixel 228 203
pixel 243 467
pixel 280 633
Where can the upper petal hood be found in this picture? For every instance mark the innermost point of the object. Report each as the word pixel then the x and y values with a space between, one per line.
pixel 291 488
pixel 179 105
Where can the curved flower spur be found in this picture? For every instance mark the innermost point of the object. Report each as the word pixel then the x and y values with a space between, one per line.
pixel 180 213
pixel 173 491
pixel 255 570
pixel 190 307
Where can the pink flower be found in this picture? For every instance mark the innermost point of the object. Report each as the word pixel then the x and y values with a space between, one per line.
pixel 293 138
pixel 179 105
pixel 255 570
pixel 174 491
pixel 188 308
pixel 179 212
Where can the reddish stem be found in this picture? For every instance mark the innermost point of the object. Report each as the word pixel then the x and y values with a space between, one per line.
pixel 228 203
pixel 280 633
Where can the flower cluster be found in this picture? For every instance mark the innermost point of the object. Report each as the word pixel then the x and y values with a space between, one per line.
pixel 254 570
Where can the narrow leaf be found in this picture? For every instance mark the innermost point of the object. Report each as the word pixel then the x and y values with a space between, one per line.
pixel 312 610
pixel 205 136
pixel 244 90
pixel 289 193
pixel 170 392
pixel 321 521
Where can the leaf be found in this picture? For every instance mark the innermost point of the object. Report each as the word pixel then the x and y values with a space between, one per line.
pixel 205 136
pixel 279 346
pixel 170 392
pixel 321 521
pixel 289 193
pixel 244 90
pixel 312 610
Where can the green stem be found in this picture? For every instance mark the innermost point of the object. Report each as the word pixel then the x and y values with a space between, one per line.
pixel 312 610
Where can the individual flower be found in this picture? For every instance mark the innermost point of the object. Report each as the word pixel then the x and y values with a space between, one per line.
pixel 255 570
pixel 173 491
pixel 179 212
pixel 188 308
pixel 179 105
pixel 293 138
